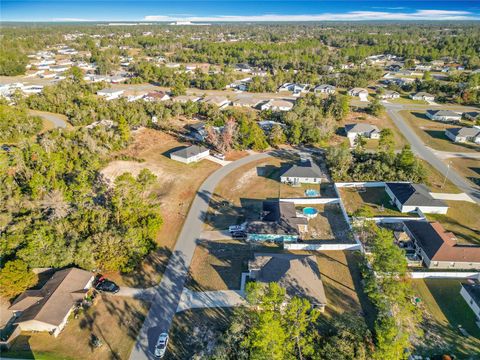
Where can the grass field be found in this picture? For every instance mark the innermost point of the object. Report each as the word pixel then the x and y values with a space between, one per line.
pixel 374 198
pixel 436 181
pixel 444 310
pixel 462 219
pixel 432 133
pixel 468 168
pixel 176 186
pixel 114 320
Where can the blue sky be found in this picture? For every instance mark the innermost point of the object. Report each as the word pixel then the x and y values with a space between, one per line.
pixel 237 10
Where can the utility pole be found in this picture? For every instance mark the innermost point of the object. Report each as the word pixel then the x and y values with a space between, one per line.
pixel 446 175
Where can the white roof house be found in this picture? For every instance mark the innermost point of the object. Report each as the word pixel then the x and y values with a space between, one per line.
pixel 423 96
pixel 365 130
pixel 389 94
pixel 246 101
pixel 190 154
pixel 220 101
pixel 444 115
pixel 110 94
pixel 277 105
pixel 324 89
pixel 463 134
pixel 296 89
pixel 360 93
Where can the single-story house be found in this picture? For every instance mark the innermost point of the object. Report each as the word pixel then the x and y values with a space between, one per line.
pixel 48 308
pixel 186 98
pixel 362 94
pixel 153 96
pixel 246 101
pixel 471 294
pixel 241 84
pixel 198 131
pixel 32 89
pixel 245 68
pixel 362 129
pixel 409 197
pixel 463 134
pixel 389 94
pixel 110 94
pixel 299 275
pixel 324 89
pixel 296 89
pixel 439 249
pixel 277 105
pixel 443 115
pixel 472 115
pixel 305 172
pixel 267 125
pixel 422 96
pixel 134 95
pixel 190 154
pixel 220 101
pixel 279 223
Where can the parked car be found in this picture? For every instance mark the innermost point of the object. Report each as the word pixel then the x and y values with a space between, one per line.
pixel 235 228
pixel 239 235
pixel 219 156
pixel 102 284
pixel 161 346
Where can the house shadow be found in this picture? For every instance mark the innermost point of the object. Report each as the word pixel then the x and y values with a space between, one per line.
pixel 271 171
pixel 436 134
pixel 420 115
pixel 20 348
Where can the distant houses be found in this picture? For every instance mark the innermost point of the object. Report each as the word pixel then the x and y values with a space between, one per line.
pixel 190 154
pixel 361 93
pixel 368 131
pixel 439 249
pixel 246 101
pixel 294 88
pixel 217 100
pixel 389 94
pixel 443 115
pixel 463 134
pixel 423 96
pixel 277 105
pixel 325 89
pixel 47 309
pixel 110 94
pixel 409 197
pixel 154 96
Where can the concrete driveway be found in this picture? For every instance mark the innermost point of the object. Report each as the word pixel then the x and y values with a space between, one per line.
pixel 168 293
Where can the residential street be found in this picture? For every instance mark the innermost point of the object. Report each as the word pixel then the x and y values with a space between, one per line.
pixel 425 153
pixel 168 292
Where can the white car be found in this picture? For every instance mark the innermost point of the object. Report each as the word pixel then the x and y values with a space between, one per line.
pixel 161 346
pixel 219 156
pixel 236 228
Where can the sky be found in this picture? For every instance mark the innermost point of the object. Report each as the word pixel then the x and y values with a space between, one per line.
pixel 237 10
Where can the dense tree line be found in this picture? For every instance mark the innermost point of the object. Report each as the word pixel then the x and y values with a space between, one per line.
pixel 16 123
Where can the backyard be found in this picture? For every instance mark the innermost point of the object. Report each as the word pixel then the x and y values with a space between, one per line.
pixel 432 133
pixel 444 310
pixel 372 200
pixel 461 219
pixel 114 320
pixel 328 225
pixel 176 186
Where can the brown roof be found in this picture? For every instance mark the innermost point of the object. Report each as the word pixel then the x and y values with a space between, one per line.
pixel 298 274
pixel 54 300
pixel 440 245
pixel 156 94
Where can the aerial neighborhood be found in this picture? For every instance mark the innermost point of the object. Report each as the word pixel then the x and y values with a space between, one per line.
pixel 240 190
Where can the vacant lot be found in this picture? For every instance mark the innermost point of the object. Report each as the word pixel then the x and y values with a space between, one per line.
pixel 114 320
pixel 469 168
pixel 444 311
pixel 432 133
pixel 381 122
pixel 436 181
pixel 176 186
pixel 373 199
pixel 461 219
pixel 194 333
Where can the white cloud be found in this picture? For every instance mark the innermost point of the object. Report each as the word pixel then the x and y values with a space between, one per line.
pixel 350 16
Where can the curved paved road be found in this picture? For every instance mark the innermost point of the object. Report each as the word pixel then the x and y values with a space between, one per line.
pixel 167 294
pixel 57 119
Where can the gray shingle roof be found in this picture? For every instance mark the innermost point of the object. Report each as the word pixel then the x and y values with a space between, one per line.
pixel 189 151
pixel 360 128
pixel 443 113
pixel 305 169
pixel 464 132
pixel 414 195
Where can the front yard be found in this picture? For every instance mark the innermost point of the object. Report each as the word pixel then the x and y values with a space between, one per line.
pixel 432 133
pixel 114 320
pixel 468 168
pixel 444 310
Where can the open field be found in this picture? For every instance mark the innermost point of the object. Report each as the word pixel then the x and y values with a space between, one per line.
pixel 432 133
pixel 374 199
pixel 176 187
pixel 114 320
pixel 196 331
pixel 381 122
pixel 468 168
pixel 462 219
pixel 444 310
pixel 239 196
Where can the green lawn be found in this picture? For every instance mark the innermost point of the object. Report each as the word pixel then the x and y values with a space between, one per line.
pixel 444 310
